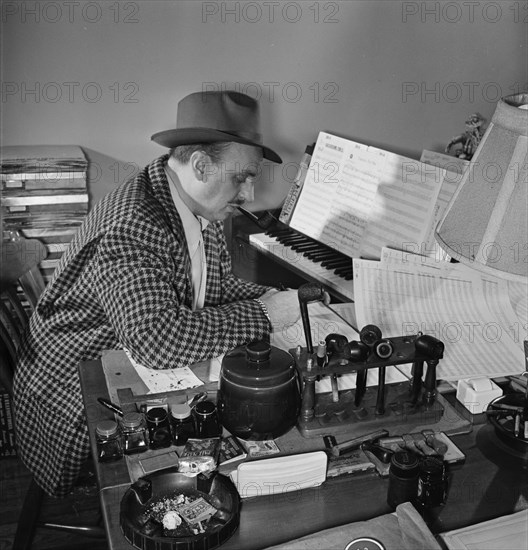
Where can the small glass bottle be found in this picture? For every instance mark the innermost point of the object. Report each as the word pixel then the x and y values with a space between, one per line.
pixel 182 424
pixel 135 436
pixel 432 483
pixel 158 428
pixel 403 478
pixel 206 420
pixel 108 438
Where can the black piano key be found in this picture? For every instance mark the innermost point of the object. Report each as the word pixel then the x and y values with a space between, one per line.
pixel 322 252
pixel 337 262
pixel 279 232
pixel 292 239
pixel 302 248
pixel 343 270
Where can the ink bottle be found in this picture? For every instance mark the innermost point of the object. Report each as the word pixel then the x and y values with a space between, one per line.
pixel 206 420
pixel 158 428
pixel 182 424
pixel 134 431
pixel 403 478
pixel 108 441
pixel 432 483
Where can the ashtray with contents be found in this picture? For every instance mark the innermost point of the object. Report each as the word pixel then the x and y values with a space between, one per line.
pixel 507 414
pixel 168 510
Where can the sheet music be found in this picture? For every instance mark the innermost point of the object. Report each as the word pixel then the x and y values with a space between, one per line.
pixel 465 310
pixel 357 198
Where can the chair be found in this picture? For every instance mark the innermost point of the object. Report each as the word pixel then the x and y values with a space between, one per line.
pixel 21 286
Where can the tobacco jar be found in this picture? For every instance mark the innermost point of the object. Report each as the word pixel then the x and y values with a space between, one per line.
pixel 259 391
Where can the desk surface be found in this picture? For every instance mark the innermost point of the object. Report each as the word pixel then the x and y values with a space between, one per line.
pixel 479 489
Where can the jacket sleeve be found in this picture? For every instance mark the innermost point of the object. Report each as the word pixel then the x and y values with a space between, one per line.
pixel 140 278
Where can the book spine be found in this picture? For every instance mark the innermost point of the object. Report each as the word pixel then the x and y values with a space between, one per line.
pixel 31 200
pixel 44 183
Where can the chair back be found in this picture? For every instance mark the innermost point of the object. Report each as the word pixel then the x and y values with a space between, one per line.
pixel 21 284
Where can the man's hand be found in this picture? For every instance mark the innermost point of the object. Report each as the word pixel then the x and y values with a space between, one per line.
pixel 283 307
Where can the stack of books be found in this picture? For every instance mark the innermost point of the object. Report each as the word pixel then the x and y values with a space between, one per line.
pixel 44 195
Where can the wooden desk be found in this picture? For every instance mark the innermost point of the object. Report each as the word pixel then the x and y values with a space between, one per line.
pixel 479 489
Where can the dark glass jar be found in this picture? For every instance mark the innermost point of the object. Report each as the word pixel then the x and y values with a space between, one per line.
pixel 403 478
pixel 432 483
pixel 108 438
pixel 158 428
pixel 135 436
pixel 182 424
pixel 206 420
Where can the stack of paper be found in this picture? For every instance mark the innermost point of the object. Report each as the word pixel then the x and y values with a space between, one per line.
pixel 44 195
pixel 275 476
pixel 471 312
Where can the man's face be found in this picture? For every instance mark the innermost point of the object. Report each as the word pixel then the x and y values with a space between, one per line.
pixel 229 182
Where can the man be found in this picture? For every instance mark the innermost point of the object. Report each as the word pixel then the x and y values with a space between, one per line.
pixel 148 271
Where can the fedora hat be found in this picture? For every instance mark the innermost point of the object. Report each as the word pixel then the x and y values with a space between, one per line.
pixel 207 117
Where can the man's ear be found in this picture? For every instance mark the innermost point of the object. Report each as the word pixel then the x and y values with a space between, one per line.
pixel 199 163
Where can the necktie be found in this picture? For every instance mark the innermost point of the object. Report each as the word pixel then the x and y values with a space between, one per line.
pixel 199 273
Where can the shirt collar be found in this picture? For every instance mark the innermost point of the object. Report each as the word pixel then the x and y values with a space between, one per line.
pixel 193 226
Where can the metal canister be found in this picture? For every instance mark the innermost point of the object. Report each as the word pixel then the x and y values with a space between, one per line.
pixel 403 478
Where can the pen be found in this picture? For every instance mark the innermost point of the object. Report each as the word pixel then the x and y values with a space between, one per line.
pixel 109 405
pixel 196 399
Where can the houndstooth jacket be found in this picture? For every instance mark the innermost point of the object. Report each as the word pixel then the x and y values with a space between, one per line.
pixel 123 282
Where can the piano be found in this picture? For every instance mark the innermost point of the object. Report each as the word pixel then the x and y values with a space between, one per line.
pixel 282 255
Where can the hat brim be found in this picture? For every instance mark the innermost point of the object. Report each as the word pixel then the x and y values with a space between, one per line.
pixel 189 136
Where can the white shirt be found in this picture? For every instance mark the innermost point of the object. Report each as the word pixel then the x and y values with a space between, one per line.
pixel 192 227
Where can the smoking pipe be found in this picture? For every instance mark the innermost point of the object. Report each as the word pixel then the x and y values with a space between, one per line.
pixel 265 221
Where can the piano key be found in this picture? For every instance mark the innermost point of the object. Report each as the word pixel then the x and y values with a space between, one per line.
pixel 320 255
pixel 338 262
pixel 305 247
pixel 343 270
pixel 341 286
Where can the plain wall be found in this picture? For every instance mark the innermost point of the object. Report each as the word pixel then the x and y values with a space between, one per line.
pixel 402 76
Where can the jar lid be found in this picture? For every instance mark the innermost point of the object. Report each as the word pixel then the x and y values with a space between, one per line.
pixel 257 365
pixel 258 351
pixel 205 407
pixel 106 428
pixel 404 463
pixel 132 419
pixel 157 415
pixel 181 411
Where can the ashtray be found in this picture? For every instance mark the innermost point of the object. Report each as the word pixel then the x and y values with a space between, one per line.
pixel 505 414
pixel 216 494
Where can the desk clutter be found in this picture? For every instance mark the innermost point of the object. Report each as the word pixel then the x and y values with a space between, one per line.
pixel 263 431
pixel 181 458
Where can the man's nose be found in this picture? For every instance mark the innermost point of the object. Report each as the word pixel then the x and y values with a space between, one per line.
pixel 247 191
